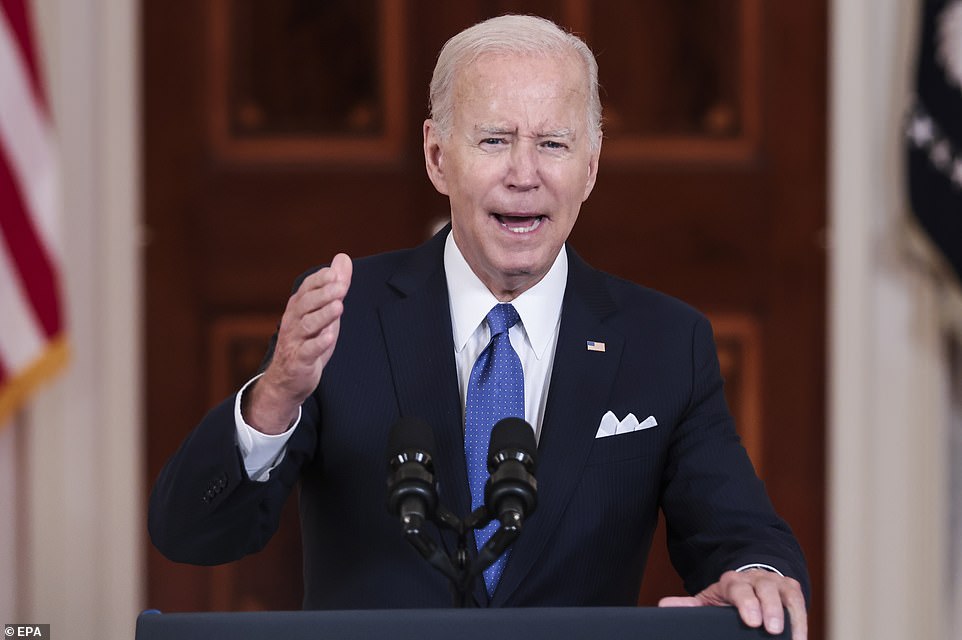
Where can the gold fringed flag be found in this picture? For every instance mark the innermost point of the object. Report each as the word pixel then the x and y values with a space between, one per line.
pixel 32 338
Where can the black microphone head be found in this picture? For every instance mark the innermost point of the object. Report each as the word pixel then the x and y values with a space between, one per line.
pixel 411 491
pixel 409 435
pixel 513 434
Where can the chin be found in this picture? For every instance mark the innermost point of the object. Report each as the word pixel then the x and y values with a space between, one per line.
pixel 515 265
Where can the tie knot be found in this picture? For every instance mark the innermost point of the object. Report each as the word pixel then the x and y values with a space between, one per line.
pixel 501 318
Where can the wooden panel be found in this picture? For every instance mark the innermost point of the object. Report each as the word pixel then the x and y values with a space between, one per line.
pixel 740 357
pixel 686 88
pixel 237 346
pixel 299 81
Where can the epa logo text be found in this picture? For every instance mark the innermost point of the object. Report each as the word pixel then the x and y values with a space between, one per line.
pixel 34 631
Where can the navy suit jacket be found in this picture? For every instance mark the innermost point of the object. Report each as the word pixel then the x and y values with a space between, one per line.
pixel 598 499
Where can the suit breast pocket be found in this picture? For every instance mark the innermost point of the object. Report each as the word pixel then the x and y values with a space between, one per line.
pixel 627 446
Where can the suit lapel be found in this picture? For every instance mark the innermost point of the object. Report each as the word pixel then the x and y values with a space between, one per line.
pixel 420 347
pixel 578 395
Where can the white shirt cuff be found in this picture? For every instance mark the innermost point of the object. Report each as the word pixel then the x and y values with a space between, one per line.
pixel 758 565
pixel 261 452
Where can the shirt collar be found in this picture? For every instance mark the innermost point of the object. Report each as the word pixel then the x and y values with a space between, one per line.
pixel 539 306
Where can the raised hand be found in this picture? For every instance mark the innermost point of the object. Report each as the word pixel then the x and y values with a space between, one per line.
pixel 305 342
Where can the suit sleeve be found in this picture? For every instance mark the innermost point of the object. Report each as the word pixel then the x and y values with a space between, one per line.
pixel 717 512
pixel 205 510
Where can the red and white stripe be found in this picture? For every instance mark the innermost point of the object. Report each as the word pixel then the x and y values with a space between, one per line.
pixel 32 342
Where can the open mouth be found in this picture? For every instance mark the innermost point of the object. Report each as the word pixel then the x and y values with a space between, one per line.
pixel 519 224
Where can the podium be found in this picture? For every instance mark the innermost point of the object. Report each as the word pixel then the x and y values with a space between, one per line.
pixel 607 623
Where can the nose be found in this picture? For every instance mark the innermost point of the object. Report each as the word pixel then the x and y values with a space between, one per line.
pixel 523 169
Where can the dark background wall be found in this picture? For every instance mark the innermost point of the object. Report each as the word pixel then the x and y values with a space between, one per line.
pixel 278 133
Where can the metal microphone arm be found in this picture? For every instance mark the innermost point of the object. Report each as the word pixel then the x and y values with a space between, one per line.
pixel 413 529
pixel 510 496
pixel 511 523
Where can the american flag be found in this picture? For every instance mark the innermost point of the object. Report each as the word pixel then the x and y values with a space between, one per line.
pixel 32 338
pixel 594 345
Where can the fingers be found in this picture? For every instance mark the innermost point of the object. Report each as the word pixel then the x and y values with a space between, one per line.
pixel 318 302
pixel 336 277
pixel 772 613
pixel 315 312
pixel 309 329
pixel 761 597
pixel 794 600
pixel 308 347
pixel 343 267
pixel 322 287
pixel 680 601
pixel 305 343
pixel 742 595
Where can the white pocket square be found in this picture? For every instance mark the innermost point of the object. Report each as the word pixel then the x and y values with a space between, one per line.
pixel 611 426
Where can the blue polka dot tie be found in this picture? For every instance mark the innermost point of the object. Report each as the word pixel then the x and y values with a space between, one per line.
pixel 495 391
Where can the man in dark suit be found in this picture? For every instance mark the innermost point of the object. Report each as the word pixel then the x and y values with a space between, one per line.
pixel 620 383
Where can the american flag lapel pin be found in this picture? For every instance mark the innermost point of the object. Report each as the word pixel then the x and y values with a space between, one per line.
pixel 594 345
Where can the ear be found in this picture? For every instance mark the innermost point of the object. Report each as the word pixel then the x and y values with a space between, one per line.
pixel 434 157
pixel 592 169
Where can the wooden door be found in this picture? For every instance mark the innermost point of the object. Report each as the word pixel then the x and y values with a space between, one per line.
pixel 278 133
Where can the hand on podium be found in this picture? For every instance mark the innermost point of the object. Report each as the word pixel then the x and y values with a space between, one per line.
pixel 758 595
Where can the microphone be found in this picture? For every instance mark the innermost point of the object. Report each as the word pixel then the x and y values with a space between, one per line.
pixel 511 491
pixel 412 493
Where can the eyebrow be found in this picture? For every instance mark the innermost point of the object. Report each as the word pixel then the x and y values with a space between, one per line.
pixel 494 130
pixel 558 133
pixel 500 131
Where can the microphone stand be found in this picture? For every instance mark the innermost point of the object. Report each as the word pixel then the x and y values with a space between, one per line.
pixel 413 530
pixel 510 492
pixel 458 569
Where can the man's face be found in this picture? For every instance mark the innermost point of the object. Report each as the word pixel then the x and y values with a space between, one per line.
pixel 516 165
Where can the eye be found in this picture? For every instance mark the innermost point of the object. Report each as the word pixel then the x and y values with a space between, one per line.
pixel 492 141
pixel 554 144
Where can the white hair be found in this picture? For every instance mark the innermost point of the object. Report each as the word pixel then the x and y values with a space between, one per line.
pixel 509 34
